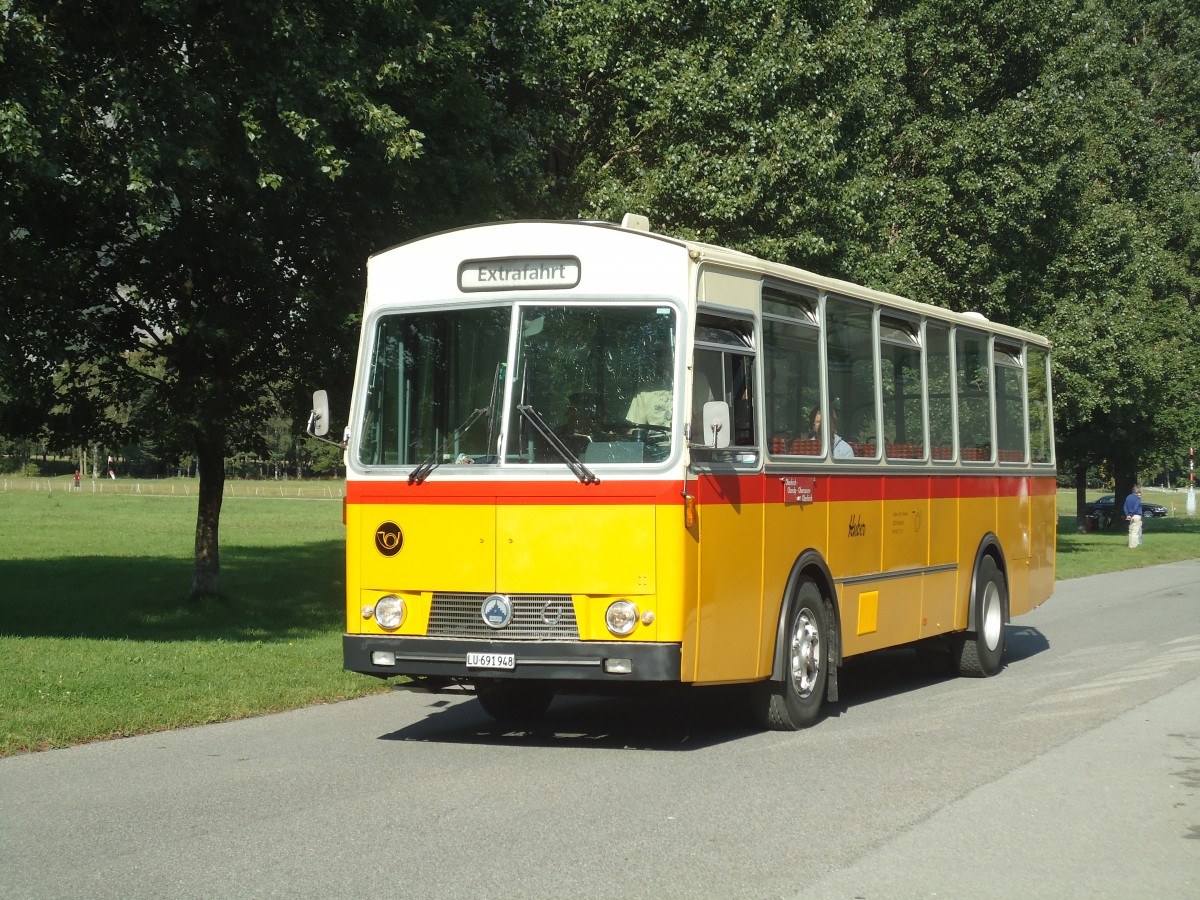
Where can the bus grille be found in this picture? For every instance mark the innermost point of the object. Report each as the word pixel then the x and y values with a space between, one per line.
pixel 539 617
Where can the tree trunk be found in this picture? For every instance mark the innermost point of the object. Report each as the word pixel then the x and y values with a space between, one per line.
pixel 1081 498
pixel 1124 484
pixel 210 455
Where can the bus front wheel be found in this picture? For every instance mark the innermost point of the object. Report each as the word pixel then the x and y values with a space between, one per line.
pixel 977 653
pixel 513 701
pixel 796 701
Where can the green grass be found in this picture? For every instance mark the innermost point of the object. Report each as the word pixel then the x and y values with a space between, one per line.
pixel 1165 540
pixel 97 640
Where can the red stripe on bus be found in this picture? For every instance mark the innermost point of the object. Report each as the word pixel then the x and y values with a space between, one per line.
pixel 515 493
pixel 731 488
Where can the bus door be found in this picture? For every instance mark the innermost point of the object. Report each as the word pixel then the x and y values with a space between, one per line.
pixel 730 507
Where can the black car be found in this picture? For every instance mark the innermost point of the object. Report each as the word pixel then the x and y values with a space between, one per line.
pixel 1106 508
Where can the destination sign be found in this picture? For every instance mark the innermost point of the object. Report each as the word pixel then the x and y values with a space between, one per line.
pixel 516 274
pixel 798 489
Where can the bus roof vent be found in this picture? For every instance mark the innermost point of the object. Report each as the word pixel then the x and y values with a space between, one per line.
pixel 634 222
pixel 977 316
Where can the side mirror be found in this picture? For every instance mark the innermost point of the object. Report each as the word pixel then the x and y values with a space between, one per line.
pixel 318 419
pixel 716 424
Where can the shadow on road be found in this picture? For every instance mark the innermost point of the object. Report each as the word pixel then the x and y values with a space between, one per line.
pixel 672 719
pixel 685 719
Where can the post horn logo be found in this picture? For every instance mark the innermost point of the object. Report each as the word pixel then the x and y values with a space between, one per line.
pixel 389 539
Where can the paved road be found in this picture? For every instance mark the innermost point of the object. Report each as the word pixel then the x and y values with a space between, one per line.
pixel 1074 773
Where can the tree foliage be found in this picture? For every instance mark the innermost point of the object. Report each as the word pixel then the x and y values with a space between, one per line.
pixel 1033 160
pixel 190 188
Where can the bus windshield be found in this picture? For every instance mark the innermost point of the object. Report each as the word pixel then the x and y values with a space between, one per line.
pixel 600 377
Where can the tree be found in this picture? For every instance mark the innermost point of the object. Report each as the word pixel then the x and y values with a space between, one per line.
pixel 1032 160
pixel 1042 180
pixel 756 125
pixel 191 189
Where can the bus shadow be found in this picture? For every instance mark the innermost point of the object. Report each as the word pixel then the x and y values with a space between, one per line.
pixel 902 670
pixel 684 719
pixel 674 720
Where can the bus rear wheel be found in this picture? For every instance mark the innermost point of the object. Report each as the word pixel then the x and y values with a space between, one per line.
pixel 977 654
pixel 514 702
pixel 796 702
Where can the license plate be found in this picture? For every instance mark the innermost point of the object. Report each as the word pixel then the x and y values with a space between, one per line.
pixel 491 661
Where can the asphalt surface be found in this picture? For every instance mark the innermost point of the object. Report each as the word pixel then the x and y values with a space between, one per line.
pixel 1073 773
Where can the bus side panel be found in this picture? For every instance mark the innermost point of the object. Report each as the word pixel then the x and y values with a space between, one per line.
pixel 884 611
pixel 906 521
pixel 730 610
pixel 1043 530
pixel 977 517
pixel 790 528
pixel 1014 511
pixel 940 594
pixel 1013 518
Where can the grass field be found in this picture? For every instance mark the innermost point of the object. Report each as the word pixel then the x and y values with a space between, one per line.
pixel 1165 540
pixel 97 642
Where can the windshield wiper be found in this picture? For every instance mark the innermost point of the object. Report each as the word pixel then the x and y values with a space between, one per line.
pixel 421 472
pixel 582 472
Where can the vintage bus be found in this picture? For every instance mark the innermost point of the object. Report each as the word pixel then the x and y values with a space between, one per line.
pixel 587 457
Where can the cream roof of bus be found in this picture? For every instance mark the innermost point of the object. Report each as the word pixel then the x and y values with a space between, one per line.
pixel 723 257
pixel 713 255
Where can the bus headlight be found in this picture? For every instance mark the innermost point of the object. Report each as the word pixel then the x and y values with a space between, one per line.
pixel 389 612
pixel 621 617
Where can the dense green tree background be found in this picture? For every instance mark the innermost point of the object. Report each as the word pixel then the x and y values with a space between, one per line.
pixel 1034 161
pixel 190 192
pixel 190 189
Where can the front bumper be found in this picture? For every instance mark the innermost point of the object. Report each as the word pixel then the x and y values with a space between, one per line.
pixel 576 661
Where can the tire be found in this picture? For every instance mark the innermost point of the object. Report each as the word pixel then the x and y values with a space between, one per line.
pixel 977 654
pixel 513 701
pixel 796 702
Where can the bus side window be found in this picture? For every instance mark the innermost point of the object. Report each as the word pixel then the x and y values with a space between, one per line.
pixel 741 399
pixel 706 385
pixel 723 369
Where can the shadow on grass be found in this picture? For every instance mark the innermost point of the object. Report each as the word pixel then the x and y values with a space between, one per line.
pixel 266 594
pixel 1072 540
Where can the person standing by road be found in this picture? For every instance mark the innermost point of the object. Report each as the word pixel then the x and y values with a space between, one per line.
pixel 1133 514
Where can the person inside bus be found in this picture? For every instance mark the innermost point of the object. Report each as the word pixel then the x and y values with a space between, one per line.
pixel 841 447
pixel 651 405
pixel 580 422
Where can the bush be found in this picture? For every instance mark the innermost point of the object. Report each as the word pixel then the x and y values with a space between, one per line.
pixel 32 470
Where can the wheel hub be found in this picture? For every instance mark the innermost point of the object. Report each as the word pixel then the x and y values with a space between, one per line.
pixel 805 654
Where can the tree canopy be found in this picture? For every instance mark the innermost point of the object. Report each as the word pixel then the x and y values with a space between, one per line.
pixel 190 189
pixel 1034 161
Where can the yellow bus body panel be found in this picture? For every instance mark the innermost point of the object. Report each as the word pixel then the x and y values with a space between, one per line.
pixel 593 553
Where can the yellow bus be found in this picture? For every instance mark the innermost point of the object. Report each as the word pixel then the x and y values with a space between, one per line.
pixel 585 457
